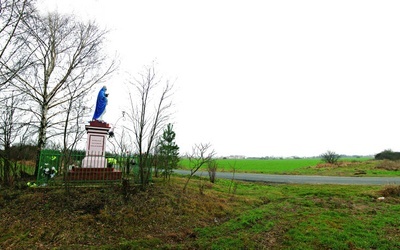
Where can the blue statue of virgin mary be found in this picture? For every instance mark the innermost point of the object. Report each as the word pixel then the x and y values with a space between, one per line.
pixel 101 104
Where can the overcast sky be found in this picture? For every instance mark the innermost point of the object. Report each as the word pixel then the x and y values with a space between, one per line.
pixel 263 78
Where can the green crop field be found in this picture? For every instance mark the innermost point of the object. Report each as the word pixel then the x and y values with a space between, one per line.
pixel 270 166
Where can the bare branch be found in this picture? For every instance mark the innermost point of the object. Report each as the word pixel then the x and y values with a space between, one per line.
pixel 66 62
pixel 201 154
pixel 13 14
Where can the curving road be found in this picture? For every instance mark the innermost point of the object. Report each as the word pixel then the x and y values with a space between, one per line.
pixel 302 179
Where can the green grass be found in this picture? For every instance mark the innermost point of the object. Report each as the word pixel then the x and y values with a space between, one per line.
pixel 311 166
pixel 308 217
pixel 266 166
pixel 249 216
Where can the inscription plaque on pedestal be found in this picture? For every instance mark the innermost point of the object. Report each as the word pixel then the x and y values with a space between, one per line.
pixel 96 143
pixel 96 146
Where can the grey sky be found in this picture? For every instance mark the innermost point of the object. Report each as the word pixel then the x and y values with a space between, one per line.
pixel 262 78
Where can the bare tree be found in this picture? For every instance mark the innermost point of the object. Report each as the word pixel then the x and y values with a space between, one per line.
pixel 66 60
pixel 13 13
pixel 12 120
pixel 201 154
pixel 149 115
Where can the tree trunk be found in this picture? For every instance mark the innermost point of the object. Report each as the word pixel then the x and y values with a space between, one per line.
pixel 41 137
pixel 6 173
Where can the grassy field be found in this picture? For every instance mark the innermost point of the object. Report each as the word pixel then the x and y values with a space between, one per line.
pixel 312 166
pixel 224 215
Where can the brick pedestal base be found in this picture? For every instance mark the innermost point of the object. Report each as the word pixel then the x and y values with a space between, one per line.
pixel 94 174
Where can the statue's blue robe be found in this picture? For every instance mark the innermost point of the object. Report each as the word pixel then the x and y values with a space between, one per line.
pixel 100 104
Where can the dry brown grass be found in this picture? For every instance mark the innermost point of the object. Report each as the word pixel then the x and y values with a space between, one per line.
pixel 391 191
pixel 326 165
pixel 342 164
pixel 102 216
pixel 389 165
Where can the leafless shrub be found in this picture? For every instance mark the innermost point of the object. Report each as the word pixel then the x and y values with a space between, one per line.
pixel 330 157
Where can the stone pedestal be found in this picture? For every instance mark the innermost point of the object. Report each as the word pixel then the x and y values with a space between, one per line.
pixel 97 133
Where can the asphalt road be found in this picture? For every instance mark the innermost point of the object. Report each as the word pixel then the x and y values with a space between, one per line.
pixel 302 179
